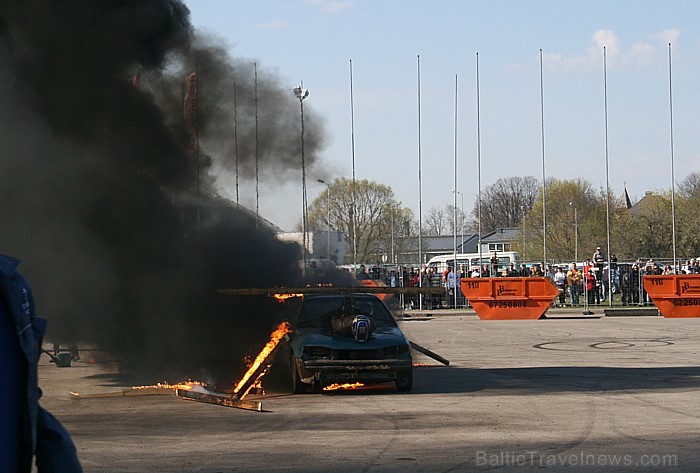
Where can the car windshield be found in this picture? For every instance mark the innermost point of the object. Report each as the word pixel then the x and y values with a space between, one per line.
pixel 317 312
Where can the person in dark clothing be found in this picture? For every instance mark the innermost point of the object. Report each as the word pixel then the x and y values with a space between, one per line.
pixel 425 282
pixel 363 275
pixel 436 281
pixel 524 272
pixel 625 287
pixel 493 269
pixel 635 282
pixel 599 261
pixel 27 431
pixel 512 271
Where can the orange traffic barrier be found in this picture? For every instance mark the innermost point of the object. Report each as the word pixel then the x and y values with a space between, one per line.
pixel 676 295
pixel 509 298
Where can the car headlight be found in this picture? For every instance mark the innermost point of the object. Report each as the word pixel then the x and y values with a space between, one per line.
pixel 317 353
pixel 396 350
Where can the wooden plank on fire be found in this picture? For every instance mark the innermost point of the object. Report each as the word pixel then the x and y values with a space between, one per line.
pixel 262 369
pixel 219 399
pixel 135 391
pixel 268 291
pixel 429 353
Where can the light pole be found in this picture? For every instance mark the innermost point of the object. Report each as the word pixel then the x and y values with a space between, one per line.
pixel 571 204
pixel 522 211
pixel 393 217
pixel 461 217
pixel 328 217
pixel 301 93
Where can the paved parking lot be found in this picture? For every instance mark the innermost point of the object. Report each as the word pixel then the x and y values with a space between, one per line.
pixel 615 393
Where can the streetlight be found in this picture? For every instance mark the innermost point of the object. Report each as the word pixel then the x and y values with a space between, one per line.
pixel 301 93
pixel 571 204
pixel 328 218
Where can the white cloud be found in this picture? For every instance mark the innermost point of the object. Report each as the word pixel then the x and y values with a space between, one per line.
pixel 591 59
pixel 666 36
pixel 639 54
pixel 607 39
pixel 645 53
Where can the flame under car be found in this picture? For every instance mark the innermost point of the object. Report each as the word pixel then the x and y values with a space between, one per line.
pixel 323 349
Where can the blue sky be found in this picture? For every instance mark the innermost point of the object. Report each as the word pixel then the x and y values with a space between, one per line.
pixel 314 40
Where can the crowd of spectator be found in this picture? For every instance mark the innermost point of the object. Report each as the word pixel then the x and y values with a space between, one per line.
pixel 589 283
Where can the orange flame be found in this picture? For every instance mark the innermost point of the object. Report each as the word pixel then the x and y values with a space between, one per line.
pixel 336 386
pixel 283 297
pixel 183 386
pixel 275 337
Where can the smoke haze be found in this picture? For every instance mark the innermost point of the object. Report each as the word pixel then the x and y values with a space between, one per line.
pixel 122 236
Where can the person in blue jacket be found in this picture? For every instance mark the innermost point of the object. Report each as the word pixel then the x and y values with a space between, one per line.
pixel 27 431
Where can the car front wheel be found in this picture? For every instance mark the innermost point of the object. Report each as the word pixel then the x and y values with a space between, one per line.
pixel 298 386
pixel 404 381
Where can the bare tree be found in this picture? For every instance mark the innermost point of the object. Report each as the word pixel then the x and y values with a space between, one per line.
pixel 690 186
pixel 436 221
pixel 460 224
pixel 506 202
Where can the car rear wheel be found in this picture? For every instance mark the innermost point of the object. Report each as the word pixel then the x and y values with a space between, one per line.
pixel 404 381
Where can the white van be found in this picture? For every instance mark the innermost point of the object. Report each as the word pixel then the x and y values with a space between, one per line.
pixel 470 261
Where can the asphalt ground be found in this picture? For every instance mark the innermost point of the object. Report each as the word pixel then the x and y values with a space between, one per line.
pixel 563 394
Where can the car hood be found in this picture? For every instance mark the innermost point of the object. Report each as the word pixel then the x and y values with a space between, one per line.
pixel 381 337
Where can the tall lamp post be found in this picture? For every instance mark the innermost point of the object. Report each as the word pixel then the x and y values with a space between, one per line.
pixel 571 204
pixel 461 217
pixel 393 217
pixel 328 216
pixel 522 211
pixel 301 93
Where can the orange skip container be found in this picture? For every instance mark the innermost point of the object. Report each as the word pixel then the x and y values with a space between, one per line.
pixel 509 298
pixel 675 295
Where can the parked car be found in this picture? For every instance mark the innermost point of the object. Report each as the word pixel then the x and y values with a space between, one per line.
pixel 347 338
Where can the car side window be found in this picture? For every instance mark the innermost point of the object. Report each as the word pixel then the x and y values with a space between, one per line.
pixel 311 314
pixel 381 315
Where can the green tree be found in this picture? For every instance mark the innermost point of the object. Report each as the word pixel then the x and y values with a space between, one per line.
pixel 571 205
pixel 382 225
pixel 687 222
pixel 648 228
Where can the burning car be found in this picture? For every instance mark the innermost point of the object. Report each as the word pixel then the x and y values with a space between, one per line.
pixel 347 338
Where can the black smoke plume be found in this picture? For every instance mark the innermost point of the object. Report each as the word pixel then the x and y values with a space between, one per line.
pixel 121 232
